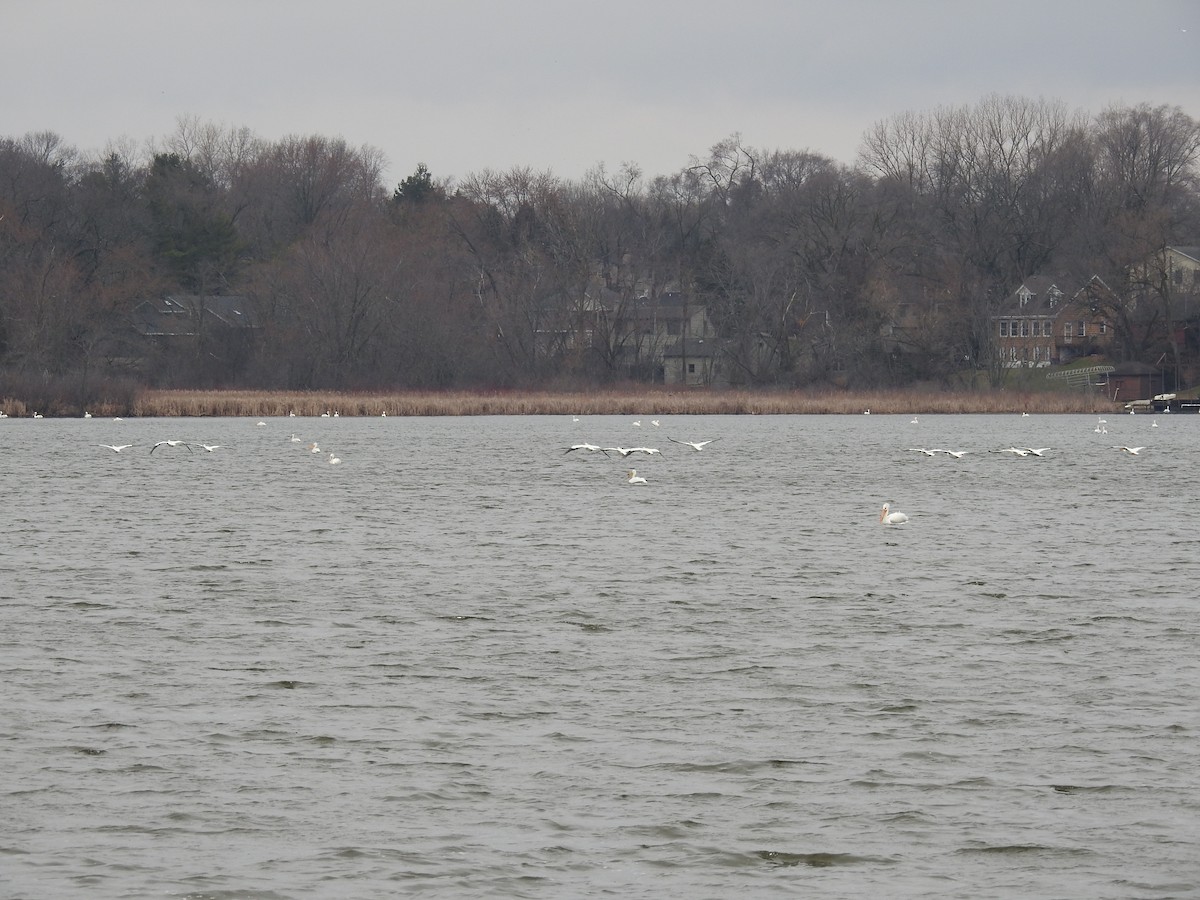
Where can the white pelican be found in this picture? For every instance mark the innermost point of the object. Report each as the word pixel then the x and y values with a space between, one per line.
pixel 117 448
pixel 891 518
pixel 654 422
pixel 291 414
pixel 260 424
pixel 325 415
pixel 334 460
pixel 210 447
pixel 922 450
pixel 957 454
pixel 1154 423
pixel 171 444
pixel 624 451
pixel 649 451
pixel 86 414
pixel 313 448
pixel 295 440
pixel 866 412
pixel 695 445
pixel 914 421
pixel 1015 451
pixel 591 448
pixel 1133 451
pixel 1037 451
pixel 37 415
pixel 635 478
pixel 637 424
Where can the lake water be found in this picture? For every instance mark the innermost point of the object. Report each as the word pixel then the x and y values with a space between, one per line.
pixel 466 664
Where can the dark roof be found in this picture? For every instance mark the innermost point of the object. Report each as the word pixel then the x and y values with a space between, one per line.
pixel 1193 252
pixel 179 314
pixel 1038 295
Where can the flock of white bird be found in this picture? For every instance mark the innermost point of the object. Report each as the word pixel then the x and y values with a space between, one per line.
pixel 631 475
pixel 191 446
pixel 887 517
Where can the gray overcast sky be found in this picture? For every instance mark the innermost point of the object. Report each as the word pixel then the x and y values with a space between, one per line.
pixel 464 85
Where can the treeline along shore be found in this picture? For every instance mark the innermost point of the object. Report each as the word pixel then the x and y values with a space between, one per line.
pixel 634 401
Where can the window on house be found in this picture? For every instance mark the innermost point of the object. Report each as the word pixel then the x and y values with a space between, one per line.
pixel 691 368
pixel 1177 276
pixel 1082 330
pixel 1003 328
pixel 1047 328
pixel 1104 328
pixel 1068 330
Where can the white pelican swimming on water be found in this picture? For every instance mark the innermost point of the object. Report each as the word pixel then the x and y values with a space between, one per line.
pixel 891 518
pixel 295 440
pixel 334 460
pixel 635 478
pixel 695 445
pixel 117 448
pixel 1132 451
pixel 313 448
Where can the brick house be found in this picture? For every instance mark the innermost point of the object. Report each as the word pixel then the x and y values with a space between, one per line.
pixel 1050 321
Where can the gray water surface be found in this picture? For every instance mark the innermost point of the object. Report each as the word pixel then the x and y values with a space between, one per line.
pixel 463 663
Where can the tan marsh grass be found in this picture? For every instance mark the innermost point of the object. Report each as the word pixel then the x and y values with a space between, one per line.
pixel 186 403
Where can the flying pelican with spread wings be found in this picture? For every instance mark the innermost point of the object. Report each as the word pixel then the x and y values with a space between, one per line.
pixel 695 445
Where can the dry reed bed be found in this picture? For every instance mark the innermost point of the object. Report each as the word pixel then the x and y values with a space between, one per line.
pixel 616 402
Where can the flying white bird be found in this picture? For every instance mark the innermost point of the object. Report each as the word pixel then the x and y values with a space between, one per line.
pixel 1015 451
pixel 1037 451
pixel 922 450
pixel 1133 451
pixel 957 454
pixel 695 445
pixel 891 518
pixel 591 448
pixel 171 444
pixel 117 448
pixel 210 447
pixel 635 478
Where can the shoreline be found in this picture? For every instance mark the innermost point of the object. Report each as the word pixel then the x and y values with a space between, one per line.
pixel 244 403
